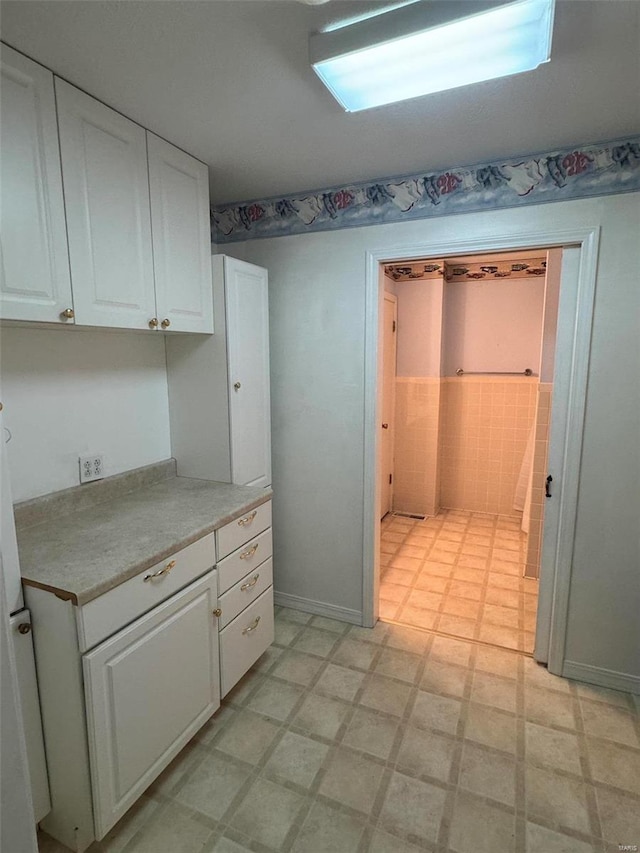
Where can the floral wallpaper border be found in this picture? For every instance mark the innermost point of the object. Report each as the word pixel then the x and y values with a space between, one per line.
pixel 577 172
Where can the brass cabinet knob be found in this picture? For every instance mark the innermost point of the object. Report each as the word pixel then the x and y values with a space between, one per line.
pixel 153 323
pixel 217 611
pixel 68 314
pixel 237 386
pixel 165 323
pixel 24 627
pixel 385 426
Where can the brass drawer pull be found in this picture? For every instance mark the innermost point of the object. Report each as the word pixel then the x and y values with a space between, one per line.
pixel 160 573
pixel 247 519
pixel 249 584
pixel 250 552
pixel 252 627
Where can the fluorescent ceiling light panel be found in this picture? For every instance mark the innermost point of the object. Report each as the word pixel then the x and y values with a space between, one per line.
pixel 417 49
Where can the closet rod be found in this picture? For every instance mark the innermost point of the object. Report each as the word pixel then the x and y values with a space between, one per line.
pixel 527 372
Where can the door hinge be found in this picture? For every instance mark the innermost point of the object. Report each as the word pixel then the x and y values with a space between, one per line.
pixel 390 479
pixel 394 325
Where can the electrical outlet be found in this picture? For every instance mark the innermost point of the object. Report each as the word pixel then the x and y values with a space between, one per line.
pixel 91 468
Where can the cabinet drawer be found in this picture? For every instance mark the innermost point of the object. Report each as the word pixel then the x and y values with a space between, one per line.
pixel 245 639
pixel 106 614
pixel 234 567
pixel 245 592
pixel 239 531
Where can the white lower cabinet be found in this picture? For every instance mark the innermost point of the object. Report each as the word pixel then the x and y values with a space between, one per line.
pixel 148 690
pixel 245 639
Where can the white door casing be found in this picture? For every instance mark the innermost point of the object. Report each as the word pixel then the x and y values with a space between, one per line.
pixel 387 425
pixel 179 193
pixel 34 269
pixel 106 190
pixel 572 355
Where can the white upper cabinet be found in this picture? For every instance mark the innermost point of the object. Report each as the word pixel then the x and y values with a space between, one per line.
pixel 179 192
pixel 106 189
pixel 34 263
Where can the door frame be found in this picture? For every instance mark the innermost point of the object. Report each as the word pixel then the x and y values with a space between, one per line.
pixel 389 297
pixel 572 350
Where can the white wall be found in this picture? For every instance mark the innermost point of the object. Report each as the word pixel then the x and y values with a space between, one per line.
pixel 419 327
pixel 493 325
pixel 317 303
pixel 67 392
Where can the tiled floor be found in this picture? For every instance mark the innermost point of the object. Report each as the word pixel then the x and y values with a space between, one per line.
pixel 394 740
pixel 459 573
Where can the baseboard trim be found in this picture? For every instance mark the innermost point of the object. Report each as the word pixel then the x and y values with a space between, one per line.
pixel 601 677
pixel 319 608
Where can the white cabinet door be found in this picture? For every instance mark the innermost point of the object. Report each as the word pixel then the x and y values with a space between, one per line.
pixel 247 315
pixel 34 267
pixel 179 192
pixel 106 189
pixel 30 705
pixel 148 690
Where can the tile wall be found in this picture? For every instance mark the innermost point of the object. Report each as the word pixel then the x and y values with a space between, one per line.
pixel 532 567
pixel 485 427
pixel 417 417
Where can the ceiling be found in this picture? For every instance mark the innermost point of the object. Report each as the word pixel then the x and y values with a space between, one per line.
pixel 229 81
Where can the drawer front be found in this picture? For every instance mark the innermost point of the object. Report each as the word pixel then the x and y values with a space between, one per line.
pixel 106 614
pixel 239 531
pixel 246 591
pixel 245 639
pixel 234 567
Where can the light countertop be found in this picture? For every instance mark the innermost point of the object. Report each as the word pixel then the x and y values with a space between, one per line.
pixel 84 554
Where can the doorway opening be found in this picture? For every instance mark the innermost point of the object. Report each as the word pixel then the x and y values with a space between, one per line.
pixel 468 350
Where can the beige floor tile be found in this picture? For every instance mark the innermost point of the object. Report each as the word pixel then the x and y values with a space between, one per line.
pixel 462 589
pixel 286 632
pixel 469 575
pixel 426 753
pixel 602 694
pixel 614 764
pixel 408 639
pixel 619 816
pixel 372 732
pixel 275 699
pixel 412 808
pixel 212 786
pixel 451 651
pixel 315 642
pixel 382 842
pixel 440 555
pixel 478 827
pixel 505 567
pixel 326 830
pixel 398 576
pixel 398 664
pixel 407 563
pixel 433 583
pixel 248 737
pixel 267 812
pixel 417 616
pixel 321 715
pixel 457 625
pixel 384 694
pixel 551 748
pixel 494 690
pixel 508 638
pixel 297 667
pixel 537 675
pixel 296 759
pixel 437 569
pixel 497 662
pixel 558 800
pixel 465 607
pixel 609 721
pixel 354 653
pixel 170 830
pixel 433 711
pixel 469 562
pixel 488 773
pixel 375 635
pixel 393 592
pixel 507 617
pixel 539 839
pixel 549 708
pixel 388 610
pixel 491 727
pixel 340 682
pixel 472 550
pixel 424 599
pixel 352 779
pixel 411 551
pixel 498 580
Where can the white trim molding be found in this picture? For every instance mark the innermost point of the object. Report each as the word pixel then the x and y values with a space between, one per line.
pixel 319 608
pixel 573 347
pixel 601 677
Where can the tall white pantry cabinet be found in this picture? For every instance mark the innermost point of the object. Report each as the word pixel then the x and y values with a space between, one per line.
pixel 219 385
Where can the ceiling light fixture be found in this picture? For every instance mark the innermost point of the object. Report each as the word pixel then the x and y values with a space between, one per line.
pixel 428 46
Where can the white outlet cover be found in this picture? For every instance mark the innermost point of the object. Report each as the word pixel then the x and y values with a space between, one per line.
pixel 91 467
